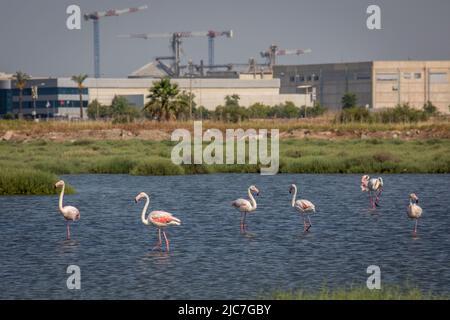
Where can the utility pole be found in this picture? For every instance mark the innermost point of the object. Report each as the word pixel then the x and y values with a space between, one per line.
pixel 34 96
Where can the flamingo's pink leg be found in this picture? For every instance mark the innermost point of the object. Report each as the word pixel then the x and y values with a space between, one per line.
pixel 243 222
pixel 304 223
pixel 415 227
pixel 309 223
pixel 159 243
pixel 378 195
pixel 167 241
pixel 372 201
pixel 68 231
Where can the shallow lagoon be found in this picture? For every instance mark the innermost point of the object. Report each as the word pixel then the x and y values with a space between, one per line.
pixel 210 258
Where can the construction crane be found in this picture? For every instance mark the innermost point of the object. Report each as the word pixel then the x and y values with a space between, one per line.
pixel 273 52
pixel 95 17
pixel 176 40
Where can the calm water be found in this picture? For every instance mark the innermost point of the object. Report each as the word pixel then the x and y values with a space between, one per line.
pixel 210 258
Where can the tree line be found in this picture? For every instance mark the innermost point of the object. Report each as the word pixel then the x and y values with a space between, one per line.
pixel 401 113
pixel 167 102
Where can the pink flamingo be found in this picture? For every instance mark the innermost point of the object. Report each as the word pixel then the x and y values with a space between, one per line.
pixel 69 213
pixel 302 206
pixel 245 206
pixel 160 219
pixel 374 187
pixel 414 211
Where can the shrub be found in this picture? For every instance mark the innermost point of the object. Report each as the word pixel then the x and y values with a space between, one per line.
pixel 8 116
pixel 27 182
pixel 430 109
pixel 259 111
pixel 354 114
pixel 97 111
pixel 312 112
pixel 287 110
pixel 401 113
pixel 115 165
pixel 156 167
pixel 349 101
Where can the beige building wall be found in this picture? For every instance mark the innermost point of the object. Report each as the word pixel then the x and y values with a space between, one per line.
pixel 413 82
pixel 208 92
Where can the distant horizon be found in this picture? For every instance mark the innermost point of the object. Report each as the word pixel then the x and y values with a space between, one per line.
pixel 336 31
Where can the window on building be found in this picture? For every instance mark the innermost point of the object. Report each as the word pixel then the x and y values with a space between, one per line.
pixel 387 77
pixel 407 75
pixel 417 75
pixel 292 78
pixel 315 77
pixel 363 76
pixel 438 77
pixel 309 78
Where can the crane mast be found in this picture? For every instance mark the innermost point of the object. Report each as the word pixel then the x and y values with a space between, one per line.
pixel 95 17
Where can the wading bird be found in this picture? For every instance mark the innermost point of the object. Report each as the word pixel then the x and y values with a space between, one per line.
pixel 160 219
pixel 302 206
pixel 414 211
pixel 245 206
pixel 374 187
pixel 69 213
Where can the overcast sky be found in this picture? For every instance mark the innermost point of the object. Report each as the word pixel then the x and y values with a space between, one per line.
pixel 34 37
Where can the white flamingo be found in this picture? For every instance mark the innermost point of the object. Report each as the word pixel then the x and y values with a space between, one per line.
pixel 160 219
pixel 303 207
pixel 69 213
pixel 414 211
pixel 245 206
pixel 374 186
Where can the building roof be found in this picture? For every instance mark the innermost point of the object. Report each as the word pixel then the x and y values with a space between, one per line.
pixel 153 69
pixel 5 76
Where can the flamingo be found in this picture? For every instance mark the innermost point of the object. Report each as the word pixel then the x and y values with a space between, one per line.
pixel 69 213
pixel 160 219
pixel 374 186
pixel 245 206
pixel 303 207
pixel 414 211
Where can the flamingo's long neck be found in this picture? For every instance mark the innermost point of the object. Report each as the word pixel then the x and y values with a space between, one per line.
pixel 61 195
pixel 294 196
pixel 147 203
pixel 253 201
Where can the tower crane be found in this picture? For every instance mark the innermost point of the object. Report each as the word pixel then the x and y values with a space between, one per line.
pixel 176 40
pixel 95 17
pixel 273 52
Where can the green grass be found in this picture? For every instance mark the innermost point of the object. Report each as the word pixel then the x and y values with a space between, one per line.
pixel 31 168
pixel 359 293
pixel 27 182
pixel 140 157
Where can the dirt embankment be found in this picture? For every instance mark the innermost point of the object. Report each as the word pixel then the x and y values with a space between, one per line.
pixel 105 134
pixel 414 134
pixel 160 135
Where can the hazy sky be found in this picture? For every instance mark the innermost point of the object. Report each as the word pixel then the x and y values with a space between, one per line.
pixel 34 37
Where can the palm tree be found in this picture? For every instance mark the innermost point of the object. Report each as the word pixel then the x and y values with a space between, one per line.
pixel 79 79
pixel 162 96
pixel 21 79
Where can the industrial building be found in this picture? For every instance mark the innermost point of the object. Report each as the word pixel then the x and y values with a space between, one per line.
pixel 60 96
pixel 377 84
